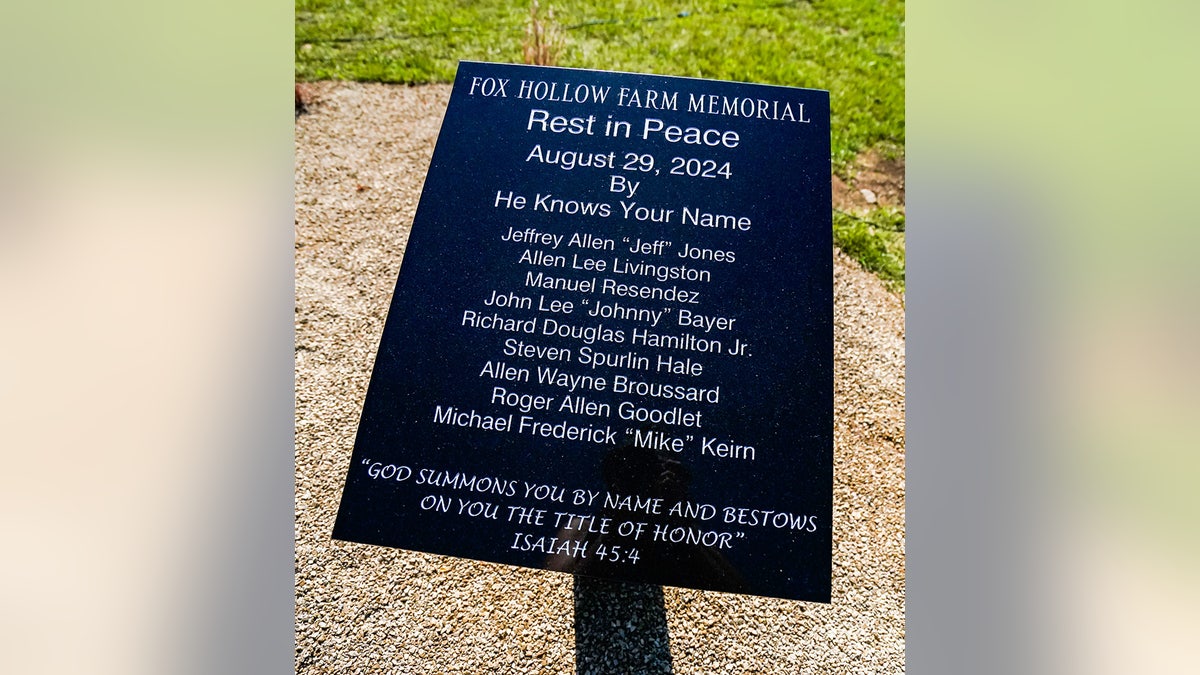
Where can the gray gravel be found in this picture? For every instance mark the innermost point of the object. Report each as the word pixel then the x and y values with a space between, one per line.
pixel 361 155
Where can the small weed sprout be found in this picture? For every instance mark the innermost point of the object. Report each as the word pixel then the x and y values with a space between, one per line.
pixel 543 40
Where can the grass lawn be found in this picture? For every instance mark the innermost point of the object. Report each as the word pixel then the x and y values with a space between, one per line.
pixel 853 48
pixel 875 240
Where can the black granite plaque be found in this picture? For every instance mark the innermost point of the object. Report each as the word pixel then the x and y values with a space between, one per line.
pixel 610 348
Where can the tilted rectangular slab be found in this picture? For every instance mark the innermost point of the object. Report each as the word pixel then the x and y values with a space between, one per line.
pixel 610 347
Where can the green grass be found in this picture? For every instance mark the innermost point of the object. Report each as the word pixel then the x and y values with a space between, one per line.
pixel 853 48
pixel 876 240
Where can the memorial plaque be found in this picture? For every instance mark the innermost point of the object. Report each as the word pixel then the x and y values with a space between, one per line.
pixel 610 347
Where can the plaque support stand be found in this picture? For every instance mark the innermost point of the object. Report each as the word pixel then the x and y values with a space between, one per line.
pixel 620 627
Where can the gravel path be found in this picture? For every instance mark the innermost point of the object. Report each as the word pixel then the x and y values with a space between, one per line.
pixel 361 155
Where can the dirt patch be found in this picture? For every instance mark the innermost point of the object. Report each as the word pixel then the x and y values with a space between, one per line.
pixel 301 100
pixel 307 96
pixel 876 181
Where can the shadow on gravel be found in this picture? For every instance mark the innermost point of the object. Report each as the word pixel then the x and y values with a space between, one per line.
pixel 620 628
